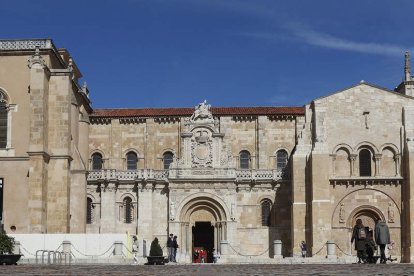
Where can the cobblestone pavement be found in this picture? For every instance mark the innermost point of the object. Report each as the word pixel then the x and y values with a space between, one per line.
pixel 210 269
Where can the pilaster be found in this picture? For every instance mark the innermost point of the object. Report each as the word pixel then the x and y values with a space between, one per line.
pixel 38 143
pixel 108 207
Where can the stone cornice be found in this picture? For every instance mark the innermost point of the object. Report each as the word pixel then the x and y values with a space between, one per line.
pixel 15 158
pixel 64 156
pixel 366 181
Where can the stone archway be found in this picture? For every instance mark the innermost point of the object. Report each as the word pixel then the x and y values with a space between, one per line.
pixel 202 209
pixel 368 214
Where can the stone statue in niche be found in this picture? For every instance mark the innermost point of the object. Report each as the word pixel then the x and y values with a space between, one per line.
pixel 390 213
pixel 172 210
pixel 233 211
pixel 342 213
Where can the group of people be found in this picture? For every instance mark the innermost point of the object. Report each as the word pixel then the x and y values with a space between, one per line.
pixel 172 246
pixel 365 245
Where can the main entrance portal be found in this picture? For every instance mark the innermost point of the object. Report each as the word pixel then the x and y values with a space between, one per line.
pixel 202 226
pixel 203 242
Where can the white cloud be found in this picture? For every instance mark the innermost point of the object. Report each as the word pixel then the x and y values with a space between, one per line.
pixel 315 38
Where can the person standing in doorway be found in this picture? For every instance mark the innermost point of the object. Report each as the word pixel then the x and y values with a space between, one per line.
pixel 359 235
pixel 170 248
pixel 382 238
pixel 175 247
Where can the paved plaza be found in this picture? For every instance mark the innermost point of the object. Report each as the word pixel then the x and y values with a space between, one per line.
pixel 210 269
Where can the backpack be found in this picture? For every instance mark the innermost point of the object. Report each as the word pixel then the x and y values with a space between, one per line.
pixel 362 235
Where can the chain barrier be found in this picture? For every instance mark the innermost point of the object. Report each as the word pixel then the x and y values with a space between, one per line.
pixel 27 251
pixel 129 251
pixel 319 251
pixel 86 255
pixel 245 255
pixel 343 251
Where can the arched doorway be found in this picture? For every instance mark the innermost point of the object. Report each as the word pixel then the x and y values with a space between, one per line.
pixel 203 223
pixel 369 216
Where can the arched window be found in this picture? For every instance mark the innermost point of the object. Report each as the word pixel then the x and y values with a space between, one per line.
pixel 97 161
pixel 281 160
pixel 244 158
pixel 3 120
pixel 132 160
pixel 89 209
pixel 365 162
pixel 266 207
pixel 128 210
pixel 167 158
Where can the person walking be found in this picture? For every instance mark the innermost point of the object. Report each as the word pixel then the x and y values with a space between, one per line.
pixel 170 248
pixel 382 238
pixel 359 235
pixel 175 246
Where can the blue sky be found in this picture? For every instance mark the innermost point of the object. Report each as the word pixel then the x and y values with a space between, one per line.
pixel 176 53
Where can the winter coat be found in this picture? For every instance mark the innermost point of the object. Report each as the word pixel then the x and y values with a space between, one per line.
pixel 359 244
pixel 170 242
pixel 382 233
pixel 175 244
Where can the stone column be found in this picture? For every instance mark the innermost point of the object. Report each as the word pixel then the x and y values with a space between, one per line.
pixel 353 158
pixel 397 160
pixel 377 159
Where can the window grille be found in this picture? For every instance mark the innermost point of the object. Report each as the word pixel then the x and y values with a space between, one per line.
pixel 168 158
pixel 244 157
pixel 89 210
pixel 128 210
pixel 132 160
pixel 266 207
pixel 97 161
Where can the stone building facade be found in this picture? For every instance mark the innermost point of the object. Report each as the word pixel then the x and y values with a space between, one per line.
pixel 231 178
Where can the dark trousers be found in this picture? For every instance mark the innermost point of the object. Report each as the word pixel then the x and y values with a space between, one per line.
pixel 382 250
pixel 362 256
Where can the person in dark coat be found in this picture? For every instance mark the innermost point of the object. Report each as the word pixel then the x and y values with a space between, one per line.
pixel 382 238
pixel 359 235
pixel 371 247
pixel 170 248
pixel 175 246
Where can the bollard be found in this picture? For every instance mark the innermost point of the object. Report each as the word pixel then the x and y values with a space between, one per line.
pixel 67 250
pixel 330 248
pixel 144 248
pixel 118 248
pixel 224 247
pixel 277 249
pixel 16 249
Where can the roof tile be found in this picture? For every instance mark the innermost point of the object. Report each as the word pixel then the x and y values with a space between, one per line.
pixel 156 112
